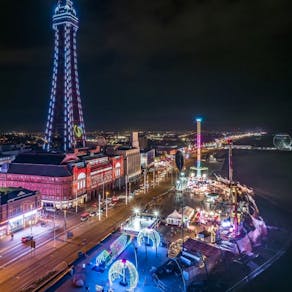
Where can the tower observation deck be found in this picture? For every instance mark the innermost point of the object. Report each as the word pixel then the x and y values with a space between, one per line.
pixel 65 125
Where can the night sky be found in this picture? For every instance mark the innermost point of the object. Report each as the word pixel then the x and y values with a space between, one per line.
pixel 154 64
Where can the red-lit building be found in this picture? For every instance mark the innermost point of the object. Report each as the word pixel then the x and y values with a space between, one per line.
pixel 95 174
pixel 63 180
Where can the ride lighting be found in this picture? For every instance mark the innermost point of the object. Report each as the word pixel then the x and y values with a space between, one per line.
pixel 136 211
pixel 225 223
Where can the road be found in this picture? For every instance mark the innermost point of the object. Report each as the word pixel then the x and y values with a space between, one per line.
pixel 31 266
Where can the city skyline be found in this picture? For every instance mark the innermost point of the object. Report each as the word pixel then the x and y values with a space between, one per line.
pixel 154 66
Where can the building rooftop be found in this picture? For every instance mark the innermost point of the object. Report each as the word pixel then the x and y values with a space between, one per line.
pixel 125 147
pixel 146 150
pixel 40 158
pixel 195 246
pixel 93 156
pixel 39 170
pixel 13 194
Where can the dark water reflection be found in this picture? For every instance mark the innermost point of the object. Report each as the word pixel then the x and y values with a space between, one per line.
pixel 270 174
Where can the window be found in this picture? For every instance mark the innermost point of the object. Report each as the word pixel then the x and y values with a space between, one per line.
pixel 81 181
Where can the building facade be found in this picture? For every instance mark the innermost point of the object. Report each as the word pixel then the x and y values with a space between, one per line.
pixel 63 181
pixel 147 158
pixel 132 162
pixel 19 208
pixel 96 175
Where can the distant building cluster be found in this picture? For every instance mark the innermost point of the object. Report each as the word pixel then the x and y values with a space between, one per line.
pixel 67 167
pixel 58 180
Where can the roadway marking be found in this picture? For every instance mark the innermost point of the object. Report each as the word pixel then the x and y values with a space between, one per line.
pixel 72 228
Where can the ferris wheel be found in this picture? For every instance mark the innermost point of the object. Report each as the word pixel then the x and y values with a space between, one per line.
pixel 282 142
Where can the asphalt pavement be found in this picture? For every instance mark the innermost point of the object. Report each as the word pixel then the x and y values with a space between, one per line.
pixel 32 265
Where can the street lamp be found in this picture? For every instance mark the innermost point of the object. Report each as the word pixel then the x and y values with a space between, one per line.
pixel 30 221
pixel 54 226
pixel 135 251
pixel 126 186
pixel 76 202
pixel 154 176
pixel 126 180
pixel 99 214
pixel 145 174
pixel 65 217
pixel 106 194
pixel 103 186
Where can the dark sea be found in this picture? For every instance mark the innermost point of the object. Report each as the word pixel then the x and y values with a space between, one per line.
pixel 269 173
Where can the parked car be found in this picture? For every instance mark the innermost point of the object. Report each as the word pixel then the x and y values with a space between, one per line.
pixel 84 217
pixel 93 213
pixel 26 238
pixel 115 199
pixel 111 205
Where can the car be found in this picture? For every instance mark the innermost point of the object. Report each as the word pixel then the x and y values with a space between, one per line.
pixel 84 217
pixel 26 238
pixel 93 213
pixel 116 199
pixel 121 197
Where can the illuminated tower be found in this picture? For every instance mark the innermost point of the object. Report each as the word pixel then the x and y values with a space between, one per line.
pixel 199 120
pixel 230 168
pixel 65 126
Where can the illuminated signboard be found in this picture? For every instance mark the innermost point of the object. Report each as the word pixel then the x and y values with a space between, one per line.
pixel 78 131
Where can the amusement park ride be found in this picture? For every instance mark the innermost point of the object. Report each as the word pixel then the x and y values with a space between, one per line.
pixel 230 212
pixel 227 212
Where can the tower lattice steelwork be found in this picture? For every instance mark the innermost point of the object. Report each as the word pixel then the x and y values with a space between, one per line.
pixel 65 126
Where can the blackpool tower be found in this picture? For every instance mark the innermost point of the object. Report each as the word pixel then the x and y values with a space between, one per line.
pixel 65 126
